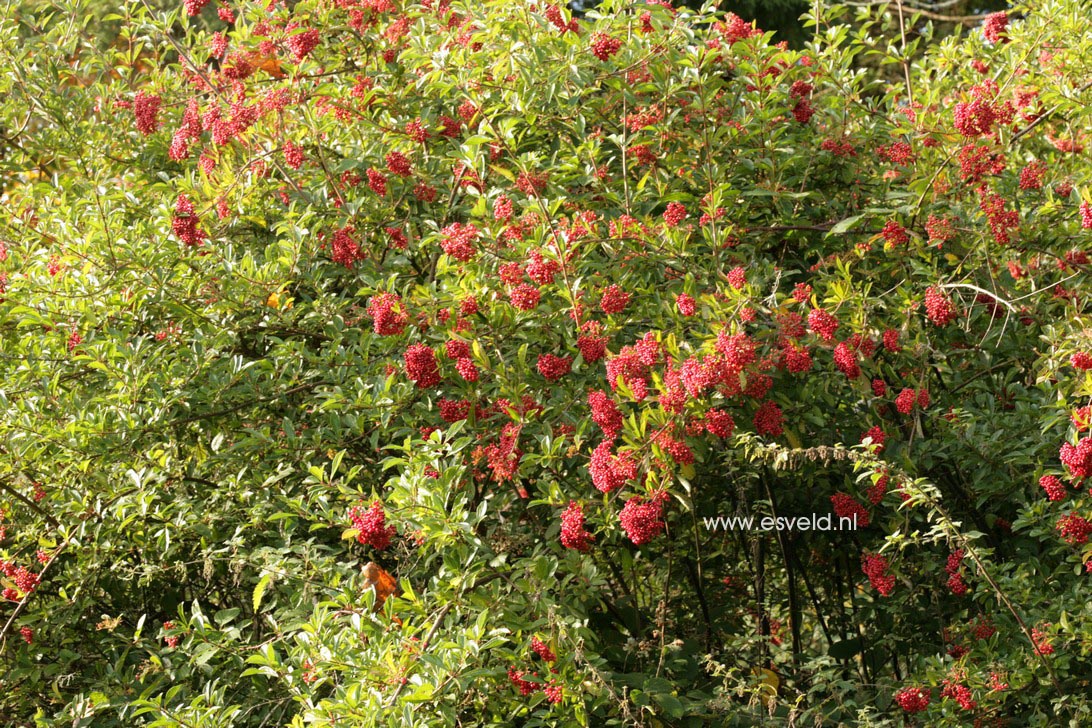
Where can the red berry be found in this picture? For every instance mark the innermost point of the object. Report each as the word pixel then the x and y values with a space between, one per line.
pixel 573 535
pixel 421 366
pixel 913 700
pixel 822 323
pixel 370 525
pixel 643 520
pixel 604 46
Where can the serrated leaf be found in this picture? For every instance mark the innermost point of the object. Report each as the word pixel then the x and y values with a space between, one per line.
pixel 259 590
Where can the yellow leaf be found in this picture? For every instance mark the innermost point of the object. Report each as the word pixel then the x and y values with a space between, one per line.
pixel 349 534
pixel 768 684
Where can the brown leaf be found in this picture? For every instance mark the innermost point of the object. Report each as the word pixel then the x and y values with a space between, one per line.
pixel 383 583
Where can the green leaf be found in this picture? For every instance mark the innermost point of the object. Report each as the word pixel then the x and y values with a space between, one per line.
pixel 259 590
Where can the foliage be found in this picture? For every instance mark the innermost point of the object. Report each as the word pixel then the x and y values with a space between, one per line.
pixel 510 305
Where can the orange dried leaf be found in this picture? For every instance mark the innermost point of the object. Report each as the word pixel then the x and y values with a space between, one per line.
pixel 375 577
pixel 261 62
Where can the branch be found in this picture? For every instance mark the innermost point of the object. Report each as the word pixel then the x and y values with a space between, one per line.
pixel 31 504
pixel 26 597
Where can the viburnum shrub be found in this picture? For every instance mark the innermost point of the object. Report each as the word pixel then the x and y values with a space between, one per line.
pixel 390 363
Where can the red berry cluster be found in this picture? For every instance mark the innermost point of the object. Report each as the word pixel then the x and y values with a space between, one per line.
pixel 1031 176
pixel 845 358
pixel 343 247
pixel 592 346
pixel 641 519
pixel 719 423
pixel 614 299
pixel 421 366
pixel 1053 486
pixel 1040 635
pixel 553 14
pixel 939 307
pixel 399 164
pixel 526 687
pixel 554 367
pixel 146 111
pixel 540 270
pixel 954 568
pixel 573 534
pixel 1074 529
pixel 194 7
pixel 1077 458
pixel 908 397
pixel 389 317
pixel 377 181
pixel 913 700
pixel 874 567
pixel 185 222
pixel 953 688
pixel 543 650
pixel 822 323
pixel 767 420
pixel 846 506
pixel 878 490
pixel 370 525
pixel 605 413
pixel 795 358
pixel 170 639
pixel 674 214
pixel 25 580
pixel 877 435
pixel 301 43
pixel 940 229
pixel 604 46
pixel 525 297
pixel 994 27
pixel 458 240
pixel 609 471
pixel 894 235
pixel 293 155
pixel 1081 360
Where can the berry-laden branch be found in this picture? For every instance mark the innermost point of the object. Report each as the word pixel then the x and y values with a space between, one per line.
pixel 26 597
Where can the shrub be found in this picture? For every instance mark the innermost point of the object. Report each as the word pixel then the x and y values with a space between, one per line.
pixel 511 307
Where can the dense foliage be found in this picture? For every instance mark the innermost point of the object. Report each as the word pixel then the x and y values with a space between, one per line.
pixel 515 306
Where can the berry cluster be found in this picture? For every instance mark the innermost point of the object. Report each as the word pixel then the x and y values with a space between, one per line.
pixel 554 367
pixel 822 323
pixel 846 506
pixel 370 525
pixel 604 46
pixel 185 222
pixel 939 307
pixel 458 241
pixel 874 567
pixel 573 534
pixel 609 471
pixel 146 111
pixel 1074 529
pixel 913 700
pixel 389 317
pixel 1053 486
pixel 641 519
pixel 954 568
pixel 421 366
